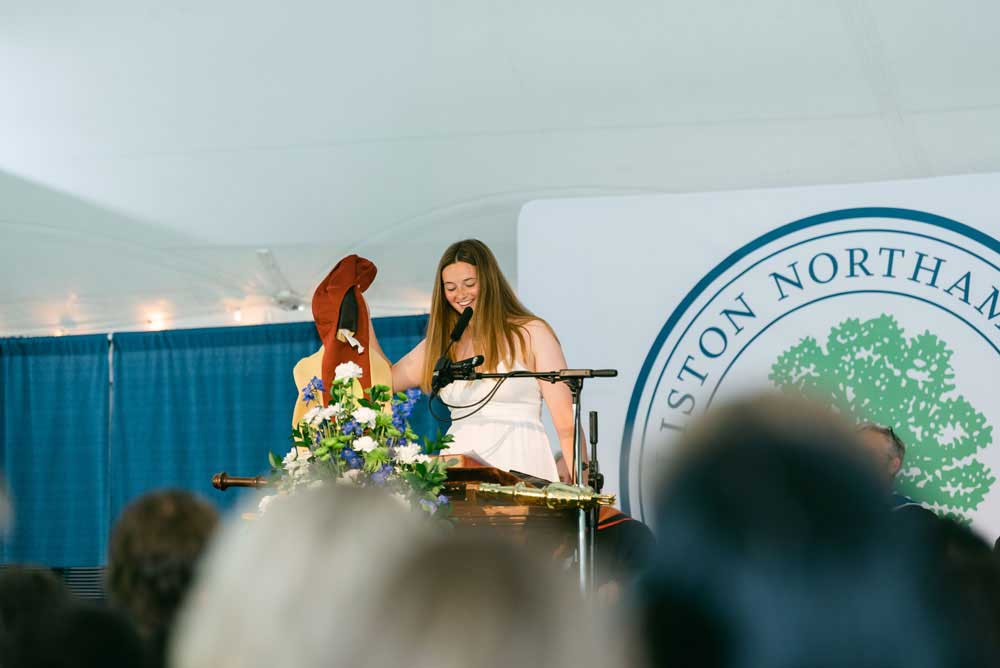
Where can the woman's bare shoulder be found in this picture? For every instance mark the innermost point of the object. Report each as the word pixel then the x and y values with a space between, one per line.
pixel 536 328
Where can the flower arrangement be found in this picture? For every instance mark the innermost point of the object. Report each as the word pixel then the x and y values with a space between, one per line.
pixel 361 440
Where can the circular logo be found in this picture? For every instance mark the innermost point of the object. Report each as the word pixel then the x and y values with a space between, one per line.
pixel 891 315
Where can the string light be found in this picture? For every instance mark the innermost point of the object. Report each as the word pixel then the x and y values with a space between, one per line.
pixel 155 321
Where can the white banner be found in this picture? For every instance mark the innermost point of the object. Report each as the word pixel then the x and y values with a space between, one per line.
pixel 885 292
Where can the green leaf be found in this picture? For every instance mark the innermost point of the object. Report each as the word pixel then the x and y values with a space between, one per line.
pixel 376 458
pixel 274 459
pixel 871 371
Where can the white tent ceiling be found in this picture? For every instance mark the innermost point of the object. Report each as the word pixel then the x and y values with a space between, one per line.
pixel 148 150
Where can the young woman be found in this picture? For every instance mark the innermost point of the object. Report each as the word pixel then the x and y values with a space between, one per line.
pixel 507 432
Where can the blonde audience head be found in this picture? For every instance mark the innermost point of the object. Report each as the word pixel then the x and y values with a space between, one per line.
pixel 348 577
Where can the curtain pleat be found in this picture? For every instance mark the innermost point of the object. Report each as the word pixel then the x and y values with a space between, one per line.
pixel 53 448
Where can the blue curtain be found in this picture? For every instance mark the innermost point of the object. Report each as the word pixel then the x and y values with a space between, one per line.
pixel 53 448
pixel 191 403
pixel 182 406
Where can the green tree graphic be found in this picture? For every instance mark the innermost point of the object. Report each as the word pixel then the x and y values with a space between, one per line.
pixel 872 372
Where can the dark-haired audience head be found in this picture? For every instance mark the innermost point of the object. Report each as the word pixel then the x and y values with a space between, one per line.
pixel 964 560
pixel 776 548
pixel 154 548
pixel 83 635
pixel 27 593
pixel 885 445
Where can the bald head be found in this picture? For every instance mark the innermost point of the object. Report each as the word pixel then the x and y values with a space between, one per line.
pixel 885 445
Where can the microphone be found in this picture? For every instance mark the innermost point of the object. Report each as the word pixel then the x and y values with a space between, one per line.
pixel 463 322
pixel 464 369
pixel 441 376
pixel 588 373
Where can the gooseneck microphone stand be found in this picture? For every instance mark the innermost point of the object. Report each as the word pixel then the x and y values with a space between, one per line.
pixel 586 519
pixel 596 481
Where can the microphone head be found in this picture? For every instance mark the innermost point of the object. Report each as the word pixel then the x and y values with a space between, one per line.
pixel 463 322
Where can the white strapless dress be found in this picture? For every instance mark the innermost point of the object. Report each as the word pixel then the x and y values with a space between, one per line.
pixel 507 432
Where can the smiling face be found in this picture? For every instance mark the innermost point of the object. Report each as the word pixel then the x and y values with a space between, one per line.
pixel 460 282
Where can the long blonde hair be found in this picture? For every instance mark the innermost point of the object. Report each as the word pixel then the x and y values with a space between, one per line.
pixel 499 319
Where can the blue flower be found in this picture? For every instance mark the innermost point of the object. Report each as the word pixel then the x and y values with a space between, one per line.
pixel 400 411
pixel 312 387
pixel 379 476
pixel 442 500
pixel 352 458
pixel 414 393
pixel 427 505
pixel 351 427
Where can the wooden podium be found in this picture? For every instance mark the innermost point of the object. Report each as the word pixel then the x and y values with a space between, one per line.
pixel 552 531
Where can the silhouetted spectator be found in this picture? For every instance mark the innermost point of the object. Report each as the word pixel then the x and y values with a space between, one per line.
pixel 965 561
pixel 154 549
pixel 775 548
pixel 82 635
pixel 26 594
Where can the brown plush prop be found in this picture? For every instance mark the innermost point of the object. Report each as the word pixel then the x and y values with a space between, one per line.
pixel 344 326
pixel 339 308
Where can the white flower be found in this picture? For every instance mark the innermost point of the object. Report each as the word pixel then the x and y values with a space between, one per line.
pixel 364 444
pixel 296 464
pixel 331 411
pixel 311 415
pixel 315 484
pixel 365 416
pixel 401 500
pixel 347 370
pixel 292 456
pixel 410 454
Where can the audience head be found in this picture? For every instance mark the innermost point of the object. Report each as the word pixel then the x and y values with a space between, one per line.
pixel 348 577
pixel 485 601
pixel 885 445
pixel 83 635
pixel 154 548
pixel 27 593
pixel 964 560
pixel 775 548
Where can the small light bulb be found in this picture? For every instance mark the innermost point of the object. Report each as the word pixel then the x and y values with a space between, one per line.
pixel 155 321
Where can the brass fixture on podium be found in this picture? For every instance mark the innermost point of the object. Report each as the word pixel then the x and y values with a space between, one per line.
pixel 223 481
pixel 557 496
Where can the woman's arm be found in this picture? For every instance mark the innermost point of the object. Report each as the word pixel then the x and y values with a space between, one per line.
pixel 408 372
pixel 547 355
